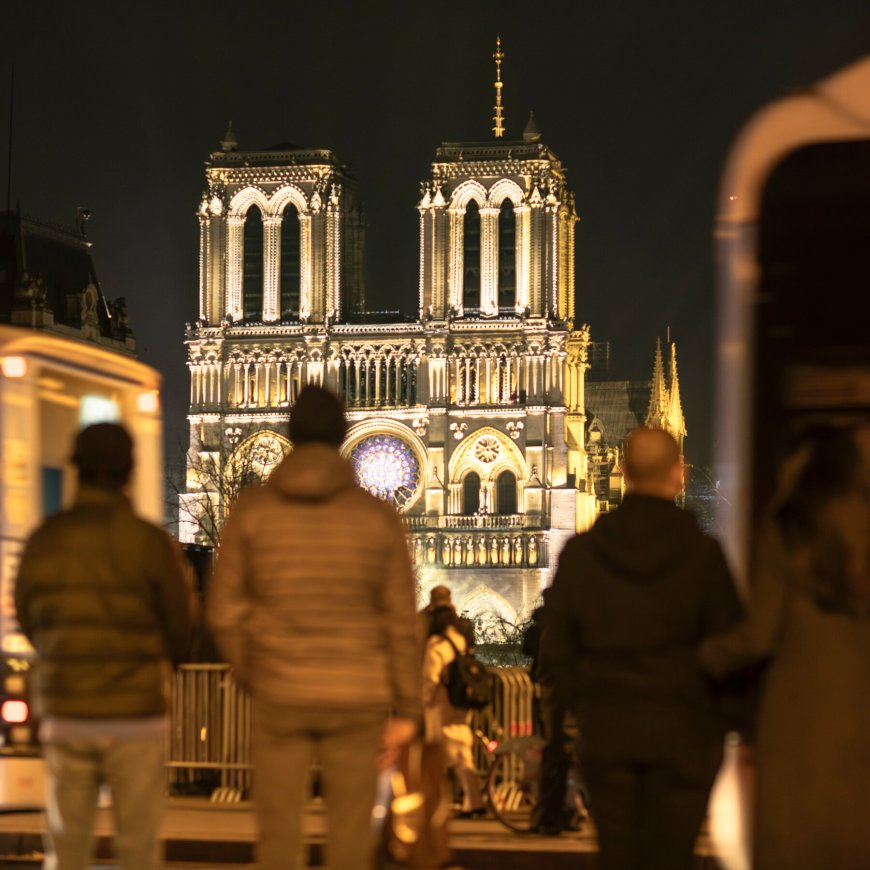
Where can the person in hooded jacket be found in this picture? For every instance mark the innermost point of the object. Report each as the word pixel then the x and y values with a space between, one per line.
pixel 631 601
pixel 312 603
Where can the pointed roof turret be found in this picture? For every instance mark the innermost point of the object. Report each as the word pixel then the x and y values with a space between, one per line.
pixel 229 142
pixel 656 414
pixel 676 421
pixel 532 133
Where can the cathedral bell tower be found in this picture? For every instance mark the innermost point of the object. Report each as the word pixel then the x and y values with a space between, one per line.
pixel 497 229
pixel 281 236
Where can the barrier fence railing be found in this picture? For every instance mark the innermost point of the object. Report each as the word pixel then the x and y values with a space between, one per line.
pixel 209 740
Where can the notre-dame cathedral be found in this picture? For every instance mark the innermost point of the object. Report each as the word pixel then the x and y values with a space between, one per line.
pixel 473 418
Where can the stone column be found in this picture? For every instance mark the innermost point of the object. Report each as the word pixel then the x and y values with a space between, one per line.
pixel 306 302
pixel 271 266
pixel 456 254
pixel 333 260
pixel 523 266
pixel 204 263
pixel 235 245
pixel 489 261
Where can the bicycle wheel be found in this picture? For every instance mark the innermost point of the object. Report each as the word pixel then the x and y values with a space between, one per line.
pixel 512 790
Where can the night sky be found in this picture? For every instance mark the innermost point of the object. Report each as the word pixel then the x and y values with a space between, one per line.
pixel 118 104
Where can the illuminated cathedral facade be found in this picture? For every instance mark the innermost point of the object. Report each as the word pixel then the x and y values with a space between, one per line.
pixel 470 418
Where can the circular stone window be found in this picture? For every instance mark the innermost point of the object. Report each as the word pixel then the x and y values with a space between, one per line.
pixel 487 449
pixel 387 467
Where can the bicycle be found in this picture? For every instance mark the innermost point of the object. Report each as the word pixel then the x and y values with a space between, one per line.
pixel 512 782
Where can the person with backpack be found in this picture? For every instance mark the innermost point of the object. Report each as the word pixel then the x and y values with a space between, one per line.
pixel 454 684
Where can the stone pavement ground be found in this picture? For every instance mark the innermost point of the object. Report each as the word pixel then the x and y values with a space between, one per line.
pixel 200 835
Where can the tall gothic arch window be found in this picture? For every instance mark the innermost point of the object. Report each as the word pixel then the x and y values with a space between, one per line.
pixel 471 493
pixel 507 256
pixel 506 493
pixel 471 257
pixel 252 274
pixel 290 241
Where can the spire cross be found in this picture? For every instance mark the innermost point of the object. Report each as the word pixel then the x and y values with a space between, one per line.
pixel 498 117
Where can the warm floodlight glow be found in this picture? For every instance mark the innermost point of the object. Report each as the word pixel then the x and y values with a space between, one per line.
pixel 13 366
pixel 148 403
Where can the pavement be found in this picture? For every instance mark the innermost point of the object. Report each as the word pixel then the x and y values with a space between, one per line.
pixel 200 835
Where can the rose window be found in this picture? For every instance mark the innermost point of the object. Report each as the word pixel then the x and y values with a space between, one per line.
pixel 386 467
pixel 487 449
pixel 265 454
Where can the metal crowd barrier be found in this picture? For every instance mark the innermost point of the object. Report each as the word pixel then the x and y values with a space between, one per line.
pixel 209 740
pixel 511 712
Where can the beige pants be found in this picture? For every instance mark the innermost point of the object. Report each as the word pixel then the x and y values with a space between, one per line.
pixel 286 741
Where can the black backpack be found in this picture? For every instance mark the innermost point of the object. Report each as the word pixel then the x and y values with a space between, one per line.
pixel 466 681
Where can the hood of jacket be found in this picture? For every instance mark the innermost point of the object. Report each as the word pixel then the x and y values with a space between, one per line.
pixel 644 537
pixel 313 471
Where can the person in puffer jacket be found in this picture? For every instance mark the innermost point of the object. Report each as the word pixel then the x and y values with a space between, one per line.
pixel 312 602
pixel 104 598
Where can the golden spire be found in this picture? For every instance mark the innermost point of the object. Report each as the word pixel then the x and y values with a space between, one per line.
pixel 498 117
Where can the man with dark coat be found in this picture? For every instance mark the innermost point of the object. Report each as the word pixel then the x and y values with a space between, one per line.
pixel 104 599
pixel 631 601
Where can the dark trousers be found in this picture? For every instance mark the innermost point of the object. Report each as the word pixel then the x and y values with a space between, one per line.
pixel 647 814
pixel 550 811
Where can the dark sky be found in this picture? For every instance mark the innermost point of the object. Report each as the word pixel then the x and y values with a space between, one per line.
pixel 118 104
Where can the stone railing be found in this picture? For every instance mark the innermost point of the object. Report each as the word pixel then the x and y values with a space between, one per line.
pixel 474 521
pixel 458 549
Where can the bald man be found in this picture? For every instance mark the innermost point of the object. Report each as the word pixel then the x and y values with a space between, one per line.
pixel 631 601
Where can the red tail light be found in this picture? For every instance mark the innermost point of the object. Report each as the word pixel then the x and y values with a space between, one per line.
pixel 14 712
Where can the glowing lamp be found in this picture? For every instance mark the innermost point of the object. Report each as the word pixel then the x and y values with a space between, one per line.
pixel 14 684
pixel 13 366
pixel 14 712
pixel 148 403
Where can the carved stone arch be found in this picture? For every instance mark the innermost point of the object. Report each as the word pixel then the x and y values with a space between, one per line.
pixel 466 192
pixel 484 603
pixel 287 194
pixel 247 197
pixel 504 189
pixel 473 451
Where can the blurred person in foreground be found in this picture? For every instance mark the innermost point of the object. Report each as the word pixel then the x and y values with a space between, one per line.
pixel 312 603
pixel 809 617
pixel 104 599
pixel 631 600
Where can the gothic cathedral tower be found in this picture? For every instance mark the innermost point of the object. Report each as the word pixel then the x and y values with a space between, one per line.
pixel 470 419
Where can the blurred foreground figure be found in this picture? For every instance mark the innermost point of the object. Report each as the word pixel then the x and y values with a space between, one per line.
pixel 809 616
pixel 631 601
pixel 102 595
pixel 312 603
